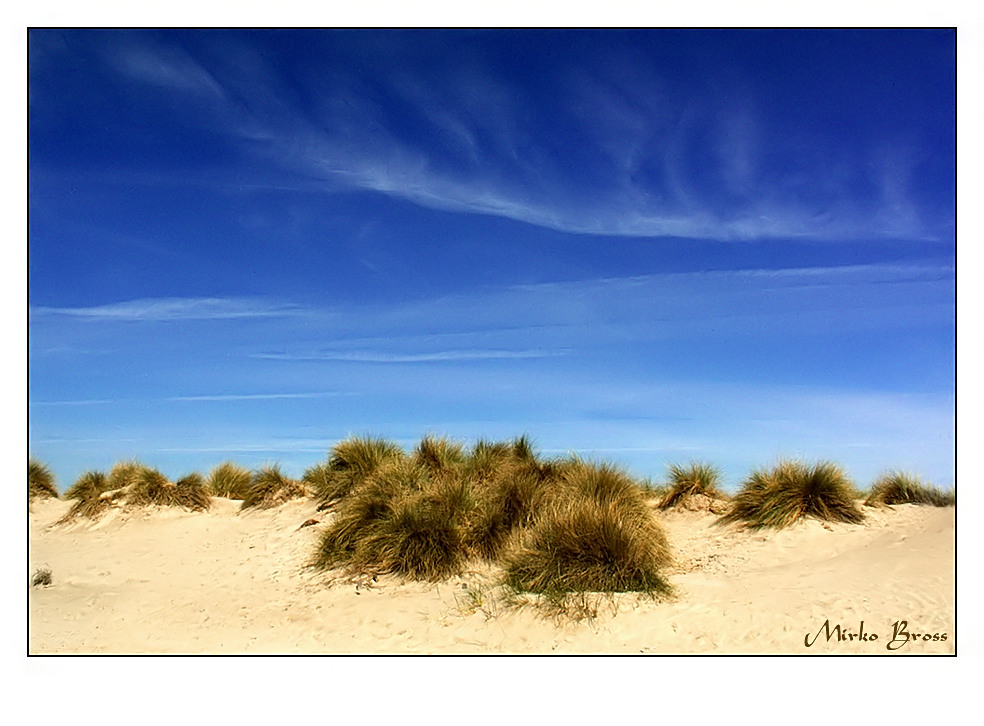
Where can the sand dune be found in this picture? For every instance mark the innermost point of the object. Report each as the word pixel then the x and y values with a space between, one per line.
pixel 153 581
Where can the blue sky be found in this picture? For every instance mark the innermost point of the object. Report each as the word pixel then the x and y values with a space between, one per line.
pixel 643 246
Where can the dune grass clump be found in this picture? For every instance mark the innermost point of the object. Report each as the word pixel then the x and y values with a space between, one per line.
pixel 696 486
pixel 558 527
pixel 504 505
pixel 40 481
pixel 124 474
pixel 422 539
pixel 511 485
pixel 439 455
pixel 355 539
pixel 602 483
pixel 584 545
pixel 350 463
pixel 523 451
pixel 597 534
pixel 191 492
pixel 318 478
pixel 89 484
pixel 271 488
pixel 900 488
pixel 134 484
pixel 88 491
pixel 487 460
pixel 152 488
pixel 790 491
pixel 230 481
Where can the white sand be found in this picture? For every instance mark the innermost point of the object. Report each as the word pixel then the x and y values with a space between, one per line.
pixel 157 581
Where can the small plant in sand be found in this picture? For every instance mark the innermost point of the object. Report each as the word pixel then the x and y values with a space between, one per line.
pixel 230 481
pixel 696 486
pixel 270 488
pixel 900 488
pixel 41 577
pixel 350 463
pixel 40 481
pixel 790 491
pixel 597 535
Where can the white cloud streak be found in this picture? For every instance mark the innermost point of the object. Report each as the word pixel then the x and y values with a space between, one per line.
pixel 80 402
pixel 169 68
pixel 481 151
pixel 257 396
pixel 543 320
pixel 164 309
pixel 427 357
pixel 233 397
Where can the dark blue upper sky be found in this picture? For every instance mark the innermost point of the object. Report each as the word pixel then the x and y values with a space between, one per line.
pixel 646 245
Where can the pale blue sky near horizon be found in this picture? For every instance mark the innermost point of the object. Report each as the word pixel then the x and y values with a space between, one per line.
pixel 645 247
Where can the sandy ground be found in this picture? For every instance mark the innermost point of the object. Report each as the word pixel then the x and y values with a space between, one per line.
pixel 154 581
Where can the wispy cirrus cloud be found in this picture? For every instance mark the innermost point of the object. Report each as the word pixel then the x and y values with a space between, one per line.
pixel 219 397
pixel 79 402
pixel 618 149
pixel 258 396
pixel 168 67
pixel 163 309
pixel 357 356
pixel 458 327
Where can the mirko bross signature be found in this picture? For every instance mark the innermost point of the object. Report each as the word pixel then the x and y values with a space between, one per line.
pixel 902 635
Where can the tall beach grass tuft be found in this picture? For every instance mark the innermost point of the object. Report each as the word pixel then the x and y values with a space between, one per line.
pixel 896 487
pixel 511 485
pixel 124 474
pixel 88 484
pixel 791 491
pixel 422 539
pixel 229 480
pixel 558 527
pixel 349 464
pixel 504 505
pixel 191 492
pixel 697 485
pixel 87 491
pixel 599 482
pixel 439 455
pixel 152 488
pixel 487 460
pixel 352 540
pixel 271 488
pixel 586 545
pixel 40 481
pixel 594 533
